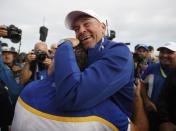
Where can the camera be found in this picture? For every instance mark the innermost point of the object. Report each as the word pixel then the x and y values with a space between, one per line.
pixel 40 56
pixel 111 35
pixel 13 33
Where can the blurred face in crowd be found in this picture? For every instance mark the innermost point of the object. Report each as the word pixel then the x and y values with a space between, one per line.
pixel 53 48
pixel 88 30
pixel 142 52
pixel 150 53
pixel 41 46
pixel 167 58
pixel 8 57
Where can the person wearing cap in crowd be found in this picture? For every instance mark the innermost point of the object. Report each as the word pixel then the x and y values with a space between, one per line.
pixel 8 57
pixel 83 100
pixel 167 98
pixel 6 110
pixel 155 76
pixel 9 88
pixel 141 60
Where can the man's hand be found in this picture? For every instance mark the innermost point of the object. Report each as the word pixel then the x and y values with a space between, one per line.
pixel 47 61
pixel 138 87
pixel 3 31
pixel 140 122
pixel 16 69
pixel 74 41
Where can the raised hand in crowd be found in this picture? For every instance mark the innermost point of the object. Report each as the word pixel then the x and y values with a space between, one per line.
pixel 16 69
pixel 148 104
pixel 3 31
pixel 140 121
pixel 74 41
pixel 47 61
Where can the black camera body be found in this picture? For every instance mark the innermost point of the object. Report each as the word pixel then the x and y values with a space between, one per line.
pixel 40 56
pixel 13 33
pixel 111 35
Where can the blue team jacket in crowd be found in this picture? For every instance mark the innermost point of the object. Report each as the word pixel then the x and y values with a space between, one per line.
pixel 157 76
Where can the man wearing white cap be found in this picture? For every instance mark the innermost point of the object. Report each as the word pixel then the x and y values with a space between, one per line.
pixel 155 75
pixel 96 99
pixel 167 101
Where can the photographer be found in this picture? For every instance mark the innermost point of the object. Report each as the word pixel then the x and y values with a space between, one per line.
pixel 6 79
pixel 6 110
pixel 11 32
pixel 36 67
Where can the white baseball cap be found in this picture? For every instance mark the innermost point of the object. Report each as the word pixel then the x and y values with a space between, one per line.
pixel 73 15
pixel 9 49
pixel 169 45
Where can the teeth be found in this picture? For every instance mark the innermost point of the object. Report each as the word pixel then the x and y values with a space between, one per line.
pixel 84 37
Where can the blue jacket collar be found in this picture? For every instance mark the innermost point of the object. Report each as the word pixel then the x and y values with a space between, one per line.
pixel 96 52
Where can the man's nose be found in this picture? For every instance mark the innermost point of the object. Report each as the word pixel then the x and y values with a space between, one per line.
pixel 164 54
pixel 82 29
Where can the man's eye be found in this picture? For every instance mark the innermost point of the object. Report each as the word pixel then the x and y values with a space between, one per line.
pixel 86 24
pixel 76 29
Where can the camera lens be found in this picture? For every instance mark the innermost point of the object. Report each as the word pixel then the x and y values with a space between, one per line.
pixel 40 56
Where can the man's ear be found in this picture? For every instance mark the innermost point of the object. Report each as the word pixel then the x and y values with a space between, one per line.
pixel 103 28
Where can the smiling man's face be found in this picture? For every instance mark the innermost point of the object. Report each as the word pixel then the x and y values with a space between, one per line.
pixel 167 58
pixel 88 30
